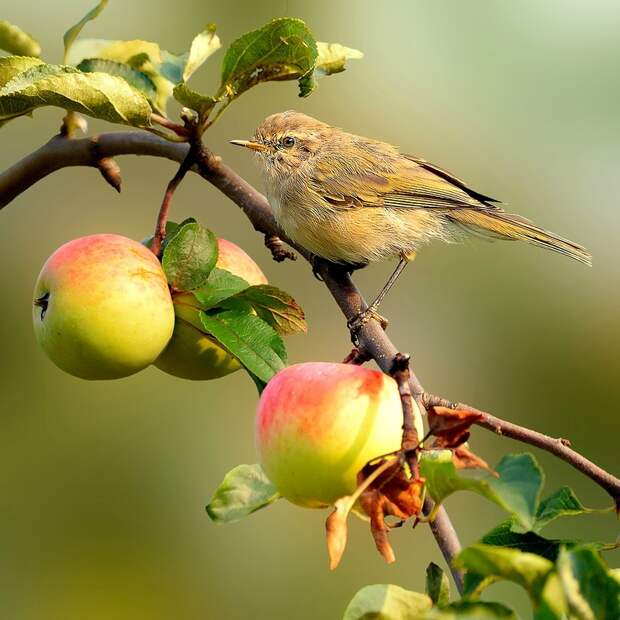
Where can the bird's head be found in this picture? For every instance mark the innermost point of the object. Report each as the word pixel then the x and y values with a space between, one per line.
pixel 284 142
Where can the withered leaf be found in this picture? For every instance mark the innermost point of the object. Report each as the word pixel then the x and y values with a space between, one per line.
pixel 451 425
pixel 393 493
pixel 464 458
pixel 336 531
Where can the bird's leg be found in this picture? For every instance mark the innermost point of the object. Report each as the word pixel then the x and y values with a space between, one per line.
pixel 355 324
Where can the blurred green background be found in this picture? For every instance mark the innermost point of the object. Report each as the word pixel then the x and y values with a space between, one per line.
pixel 104 484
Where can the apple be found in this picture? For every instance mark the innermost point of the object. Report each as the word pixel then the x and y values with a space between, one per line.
pixel 319 423
pixel 192 354
pixel 102 307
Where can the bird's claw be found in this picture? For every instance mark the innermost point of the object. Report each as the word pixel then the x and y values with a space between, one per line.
pixel 361 318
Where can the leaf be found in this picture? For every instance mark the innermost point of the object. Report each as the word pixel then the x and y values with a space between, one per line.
pixel 451 426
pixel 528 570
pixel 98 95
pixel 336 531
pixel 470 610
pixel 284 49
pixel 15 41
pixel 562 503
pixel 437 585
pixel 332 57
pixel 244 490
pixel 195 101
pixel 387 602
pixel 516 489
pixel 503 536
pixel 10 66
pixel 275 307
pixel 202 47
pixel 140 81
pixel 71 35
pixel 530 542
pixel 464 458
pixel 592 593
pixel 189 257
pixel 254 343
pixel 162 68
pixel 220 285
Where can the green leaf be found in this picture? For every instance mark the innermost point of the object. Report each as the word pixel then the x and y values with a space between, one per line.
pixel 332 57
pixel 220 285
pixel 140 81
pixel 244 490
pixel 470 610
pixel 387 602
pixel 15 41
pixel 203 45
pixel 592 593
pixel 254 343
pixel 71 35
pixel 191 99
pixel 98 95
pixel 189 257
pixel 437 585
pixel 528 570
pixel 275 307
pixel 10 66
pixel 161 67
pixel 504 536
pixel 516 490
pixel 284 49
pixel 562 503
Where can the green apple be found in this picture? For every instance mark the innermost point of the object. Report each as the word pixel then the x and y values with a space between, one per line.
pixel 102 307
pixel 319 423
pixel 191 354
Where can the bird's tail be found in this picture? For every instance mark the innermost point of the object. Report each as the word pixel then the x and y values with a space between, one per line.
pixel 497 223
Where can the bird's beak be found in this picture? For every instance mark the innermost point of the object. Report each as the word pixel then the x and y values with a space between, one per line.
pixel 249 144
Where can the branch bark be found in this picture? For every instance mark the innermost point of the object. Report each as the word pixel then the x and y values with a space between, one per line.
pixel 59 153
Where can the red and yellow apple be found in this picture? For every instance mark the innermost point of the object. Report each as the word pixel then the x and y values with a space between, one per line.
pixel 192 354
pixel 319 423
pixel 102 307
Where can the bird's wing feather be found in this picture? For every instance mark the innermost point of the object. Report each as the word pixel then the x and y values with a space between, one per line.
pixel 398 181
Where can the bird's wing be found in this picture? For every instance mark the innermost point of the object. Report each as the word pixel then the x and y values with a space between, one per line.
pixel 394 181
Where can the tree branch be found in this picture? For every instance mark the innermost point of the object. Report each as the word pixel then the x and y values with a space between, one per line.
pixel 59 153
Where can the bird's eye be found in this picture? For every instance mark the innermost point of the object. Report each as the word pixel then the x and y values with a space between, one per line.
pixel 288 142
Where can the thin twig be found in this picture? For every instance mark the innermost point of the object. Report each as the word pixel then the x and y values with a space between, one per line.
pixel 278 252
pixel 177 128
pixel 162 216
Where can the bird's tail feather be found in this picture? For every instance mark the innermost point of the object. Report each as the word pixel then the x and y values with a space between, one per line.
pixel 499 224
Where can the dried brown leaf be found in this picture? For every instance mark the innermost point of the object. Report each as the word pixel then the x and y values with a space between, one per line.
pixel 393 493
pixel 451 425
pixel 336 531
pixel 464 458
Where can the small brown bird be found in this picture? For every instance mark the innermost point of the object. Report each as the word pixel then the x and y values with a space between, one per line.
pixel 353 200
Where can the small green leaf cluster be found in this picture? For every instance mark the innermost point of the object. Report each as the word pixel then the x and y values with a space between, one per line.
pixel 125 81
pixel 247 321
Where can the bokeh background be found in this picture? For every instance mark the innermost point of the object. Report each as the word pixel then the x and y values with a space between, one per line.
pixel 104 484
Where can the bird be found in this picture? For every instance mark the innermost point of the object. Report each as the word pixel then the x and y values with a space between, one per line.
pixel 353 200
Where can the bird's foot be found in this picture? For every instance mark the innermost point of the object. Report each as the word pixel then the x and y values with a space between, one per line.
pixel 316 264
pixel 361 318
